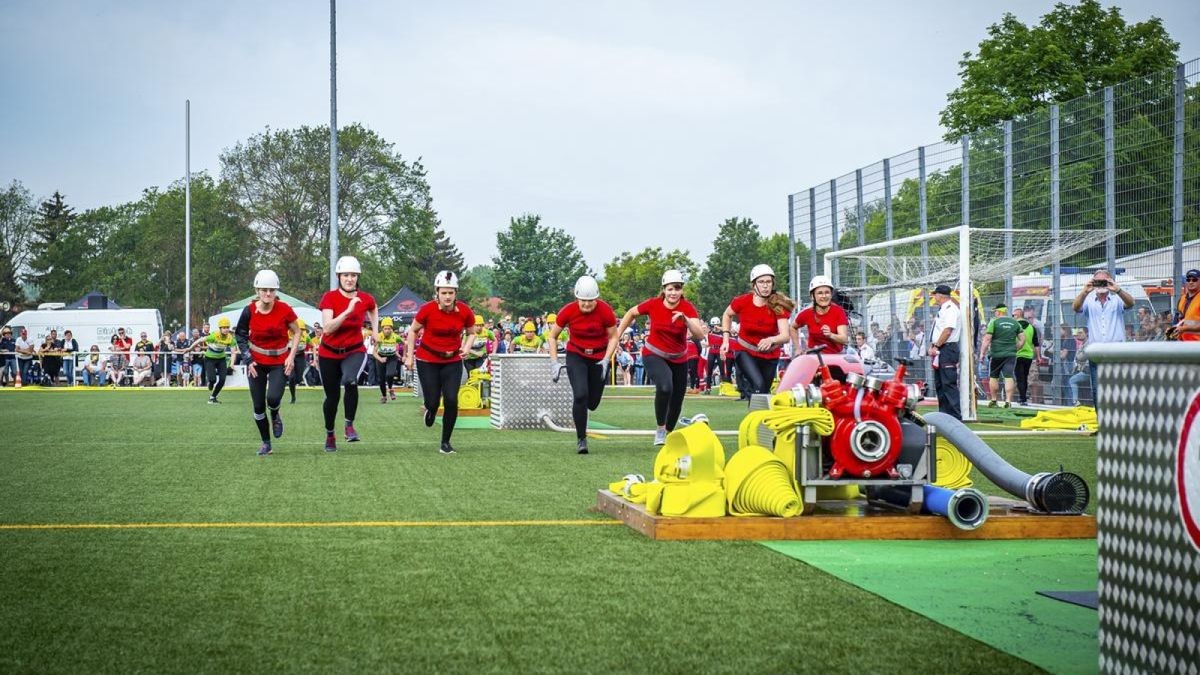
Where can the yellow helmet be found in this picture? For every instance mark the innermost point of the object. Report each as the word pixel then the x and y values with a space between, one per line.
pixel 385 322
pixel 551 317
pixel 300 323
pixel 223 322
pixel 478 319
pixel 528 327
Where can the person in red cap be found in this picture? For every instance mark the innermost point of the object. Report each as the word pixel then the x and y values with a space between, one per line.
pixel 262 335
pixel 593 327
pixel 342 355
pixel 825 321
pixel 664 354
pixel 447 328
pixel 763 314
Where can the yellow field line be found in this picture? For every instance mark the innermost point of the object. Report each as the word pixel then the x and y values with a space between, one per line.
pixel 350 523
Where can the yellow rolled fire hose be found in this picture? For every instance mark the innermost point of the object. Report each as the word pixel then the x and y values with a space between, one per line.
pixel 953 467
pixel 758 484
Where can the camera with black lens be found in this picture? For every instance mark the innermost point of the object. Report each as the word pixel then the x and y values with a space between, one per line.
pixel 1100 283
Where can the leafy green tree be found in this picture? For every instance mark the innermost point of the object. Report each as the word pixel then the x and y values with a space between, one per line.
pixel 1075 49
pixel 773 250
pixel 279 181
pixel 16 229
pixel 630 278
pixel 536 266
pixel 735 251
pixel 475 287
pixel 49 263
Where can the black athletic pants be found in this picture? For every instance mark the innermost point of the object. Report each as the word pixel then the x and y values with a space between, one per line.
pixel 670 384
pixel 266 391
pixel 716 365
pixel 214 373
pixel 587 387
pixel 946 380
pixel 440 383
pixel 338 373
pixel 1022 376
pixel 755 375
pixel 385 374
pixel 297 377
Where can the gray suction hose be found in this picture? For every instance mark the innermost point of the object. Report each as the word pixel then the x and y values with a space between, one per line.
pixel 1061 492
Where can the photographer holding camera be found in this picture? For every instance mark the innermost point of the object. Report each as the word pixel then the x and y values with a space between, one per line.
pixel 1105 316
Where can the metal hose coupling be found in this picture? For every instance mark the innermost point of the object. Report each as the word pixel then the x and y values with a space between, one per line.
pixel 1061 492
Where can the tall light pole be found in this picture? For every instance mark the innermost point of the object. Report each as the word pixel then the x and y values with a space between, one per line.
pixel 333 148
pixel 187 217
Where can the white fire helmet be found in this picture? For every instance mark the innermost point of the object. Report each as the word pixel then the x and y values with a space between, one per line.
pixel 672 277
pixel 266 279
pixel 761 271
pixel 819 281
pixel 445 279
pixel 586 288
pixel 714 321
pixel 347 264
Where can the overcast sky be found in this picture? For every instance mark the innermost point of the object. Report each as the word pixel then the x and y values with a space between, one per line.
pixel 628 124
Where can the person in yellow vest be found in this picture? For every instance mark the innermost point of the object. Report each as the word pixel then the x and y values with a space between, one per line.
pixel 528 342
pixel 548 326
pixel 479 348
pixel 385 359
pixel 218 345
pixel 1187 328
pixel 300 363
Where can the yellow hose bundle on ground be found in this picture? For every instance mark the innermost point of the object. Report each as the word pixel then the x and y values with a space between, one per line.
pixel 758 484
pixel 953 467
pixel 1080 418
pixel 729 389
pixel 689 474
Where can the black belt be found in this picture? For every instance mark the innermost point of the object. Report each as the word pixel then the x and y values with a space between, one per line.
pixel 589 352
pixel 340 350
pixel 431 350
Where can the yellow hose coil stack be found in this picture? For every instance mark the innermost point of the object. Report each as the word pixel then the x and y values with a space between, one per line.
pixel 953 467
pixel 689 475
pixel 758 484
pixel 469 397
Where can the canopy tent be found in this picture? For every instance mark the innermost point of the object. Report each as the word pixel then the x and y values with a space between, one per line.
pixel 232 311
pixel 293 301
pixel 403 304
pixel 94 300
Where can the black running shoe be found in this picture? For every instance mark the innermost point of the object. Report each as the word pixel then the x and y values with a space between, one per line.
pixel 430 417
pixel 581 447
pixel 264 450
pixel 277 425
pixel 446 448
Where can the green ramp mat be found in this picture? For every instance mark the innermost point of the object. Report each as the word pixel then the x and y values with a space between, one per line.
pixel 482 422
pixel 986 589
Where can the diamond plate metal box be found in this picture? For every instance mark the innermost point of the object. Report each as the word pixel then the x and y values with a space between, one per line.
pixel 1149 569
pixel 522 392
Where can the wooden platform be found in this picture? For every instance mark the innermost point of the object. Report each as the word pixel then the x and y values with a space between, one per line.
pixel 849 520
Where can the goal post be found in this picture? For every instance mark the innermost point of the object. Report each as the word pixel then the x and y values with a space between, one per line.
pixel 960 257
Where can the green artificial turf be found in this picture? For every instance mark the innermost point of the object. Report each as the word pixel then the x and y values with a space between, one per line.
pixel 363 599
pixel 986 589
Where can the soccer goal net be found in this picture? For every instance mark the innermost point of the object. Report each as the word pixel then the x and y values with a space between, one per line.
pixel 888 284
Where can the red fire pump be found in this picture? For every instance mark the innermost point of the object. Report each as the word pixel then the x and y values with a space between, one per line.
pixel 866 439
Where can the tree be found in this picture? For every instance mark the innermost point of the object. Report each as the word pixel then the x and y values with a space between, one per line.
pixel 632 277
pixel 279 181
pixel 536 266
pixel 1075 49
pixel 49 263
pixel 16 230
pixel 413 249
pixel 725 275
pixel 475 287
pixel 774 251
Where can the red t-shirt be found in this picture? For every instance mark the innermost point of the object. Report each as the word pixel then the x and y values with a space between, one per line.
pixel 668 336
pixel 443 332
pixel 808 318
pixel 349 335
pixel 588 331
pixel 270 331
pixel 693 352
pixel 714 341
pixel 124 344
pixel 756 323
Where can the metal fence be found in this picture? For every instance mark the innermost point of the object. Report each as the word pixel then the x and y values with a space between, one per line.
pixel 1125 159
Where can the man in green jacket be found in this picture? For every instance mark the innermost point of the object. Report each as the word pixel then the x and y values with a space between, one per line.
pixel 1002 341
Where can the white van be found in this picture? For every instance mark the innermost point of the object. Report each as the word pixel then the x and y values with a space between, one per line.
pixel 1033 290
pixel 89 326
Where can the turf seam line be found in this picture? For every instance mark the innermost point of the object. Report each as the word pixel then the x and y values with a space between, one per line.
pixel 350 523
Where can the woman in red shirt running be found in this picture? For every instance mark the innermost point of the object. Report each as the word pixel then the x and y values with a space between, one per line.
pixel 449 334
pixel 763 314
pixel 824 320
pixel 593 327
pixel 664 354
pixel 262 334
pixel 342 354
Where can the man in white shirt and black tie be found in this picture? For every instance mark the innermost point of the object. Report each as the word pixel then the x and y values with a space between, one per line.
pixel 944 347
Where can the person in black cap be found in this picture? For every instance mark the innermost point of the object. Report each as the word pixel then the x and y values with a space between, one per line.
pixel 1187 328
pixel 944 349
